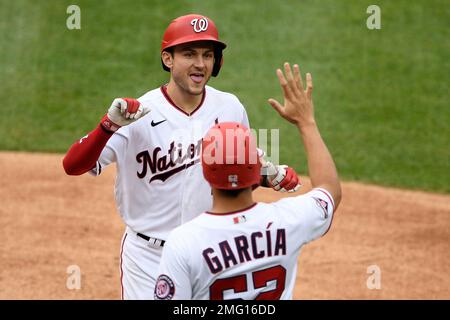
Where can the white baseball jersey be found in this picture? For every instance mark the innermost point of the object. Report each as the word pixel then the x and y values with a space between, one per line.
pixel 250 254
pixel 159 183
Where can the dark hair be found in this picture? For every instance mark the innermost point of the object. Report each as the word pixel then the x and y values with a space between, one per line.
pixel 231 193
pixel 169 50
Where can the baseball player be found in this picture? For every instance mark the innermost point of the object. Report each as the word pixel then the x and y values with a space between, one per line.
pixel 241 249
pixel 159 182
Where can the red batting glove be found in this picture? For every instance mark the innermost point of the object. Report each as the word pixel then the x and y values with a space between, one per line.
pixel 286 180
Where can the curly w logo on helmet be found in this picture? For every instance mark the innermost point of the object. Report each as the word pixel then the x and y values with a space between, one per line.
pixel 200 24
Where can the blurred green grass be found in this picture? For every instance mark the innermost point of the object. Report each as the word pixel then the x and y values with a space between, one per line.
pixel 381 96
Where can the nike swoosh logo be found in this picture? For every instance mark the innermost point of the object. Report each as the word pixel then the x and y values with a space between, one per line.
pixel 154 124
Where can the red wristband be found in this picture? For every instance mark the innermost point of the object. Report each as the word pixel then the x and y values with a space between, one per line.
pixel 108 125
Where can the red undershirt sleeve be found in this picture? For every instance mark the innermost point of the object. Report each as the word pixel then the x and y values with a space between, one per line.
pixel 84 153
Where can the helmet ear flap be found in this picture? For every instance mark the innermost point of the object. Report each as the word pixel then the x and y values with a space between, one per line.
pixel 218 61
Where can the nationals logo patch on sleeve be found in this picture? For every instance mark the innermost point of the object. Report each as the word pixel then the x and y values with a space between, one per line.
pixel 164 288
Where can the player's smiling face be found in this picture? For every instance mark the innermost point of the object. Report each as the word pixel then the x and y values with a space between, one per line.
pixel 191 66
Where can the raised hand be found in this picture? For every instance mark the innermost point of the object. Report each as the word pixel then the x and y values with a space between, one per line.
pixel 122 112
pixel 298 106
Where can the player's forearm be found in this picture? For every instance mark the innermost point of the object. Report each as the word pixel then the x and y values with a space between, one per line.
pixel 84 153
pixel 321 167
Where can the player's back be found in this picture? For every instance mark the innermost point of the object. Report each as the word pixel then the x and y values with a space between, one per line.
pixel 250 254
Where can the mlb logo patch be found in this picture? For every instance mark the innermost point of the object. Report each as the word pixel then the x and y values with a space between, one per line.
pixel 239 219
pixel 322 204
pixel 233 179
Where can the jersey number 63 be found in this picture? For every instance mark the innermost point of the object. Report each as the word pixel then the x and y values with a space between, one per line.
pixel 260 279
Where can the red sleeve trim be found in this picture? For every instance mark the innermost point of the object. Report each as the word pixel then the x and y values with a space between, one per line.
pixel 332 216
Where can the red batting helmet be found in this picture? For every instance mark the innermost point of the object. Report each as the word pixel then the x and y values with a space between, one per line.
pixel 190 28
pixel 230 158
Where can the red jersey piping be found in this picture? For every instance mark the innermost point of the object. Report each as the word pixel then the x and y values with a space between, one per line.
pixel 121 268
pixel 166 95
pixel 231 212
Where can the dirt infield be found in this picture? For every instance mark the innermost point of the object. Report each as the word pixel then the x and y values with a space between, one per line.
pixel 50 221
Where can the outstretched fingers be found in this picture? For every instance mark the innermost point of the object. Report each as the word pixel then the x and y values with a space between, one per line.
pixel 290 78
pixel 284 84
pixel 276 105
pixel 309 85
pixel 298 77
